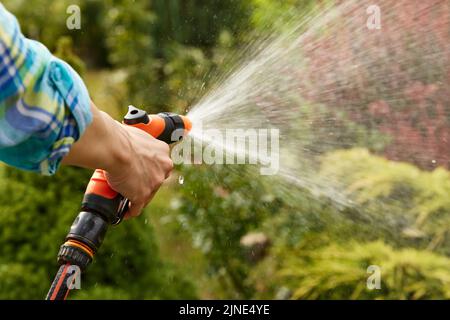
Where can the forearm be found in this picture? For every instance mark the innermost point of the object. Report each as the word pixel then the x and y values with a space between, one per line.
pixel 104 144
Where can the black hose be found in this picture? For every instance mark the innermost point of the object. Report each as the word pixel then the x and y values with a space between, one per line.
pixel 64 279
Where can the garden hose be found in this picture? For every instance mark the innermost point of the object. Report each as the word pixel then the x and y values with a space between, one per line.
pixel 102 206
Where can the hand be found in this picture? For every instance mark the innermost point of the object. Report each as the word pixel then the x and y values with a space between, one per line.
pixel 148 166
pixel 136 164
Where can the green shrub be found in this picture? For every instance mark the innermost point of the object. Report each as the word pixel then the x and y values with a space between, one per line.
pixel 21 281
pixel 218 209
pixel 340 272
pixel 411 202
pixel 35 215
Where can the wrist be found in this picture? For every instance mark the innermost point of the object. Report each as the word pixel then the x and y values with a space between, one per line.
pixel 118 147
pixel 104 145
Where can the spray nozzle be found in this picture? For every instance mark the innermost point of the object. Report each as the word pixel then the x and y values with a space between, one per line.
pixel 165 126
pixel 102 206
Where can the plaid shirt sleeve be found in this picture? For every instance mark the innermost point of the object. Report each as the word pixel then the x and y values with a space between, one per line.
pixel 44 104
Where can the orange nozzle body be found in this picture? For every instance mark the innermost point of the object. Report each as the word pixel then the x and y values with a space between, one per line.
pixel 187 123
pixel 165 126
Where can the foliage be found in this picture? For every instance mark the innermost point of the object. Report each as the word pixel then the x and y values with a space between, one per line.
pixel 35 214
pixel 162 54
pixel 166 43
pixel 218 209
pixel 336 271
pixel 45 20
pixel 130 45
pixel 322 252
pixel 272 13
pixel 415 203
pixel 21 281
pixel 198 22
pixel 64 51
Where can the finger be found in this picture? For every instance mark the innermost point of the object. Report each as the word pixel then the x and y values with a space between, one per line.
pixel 168 172
pixel 134 210
pixel 165 148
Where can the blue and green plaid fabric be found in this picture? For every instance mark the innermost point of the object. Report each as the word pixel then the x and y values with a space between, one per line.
pixel 44 104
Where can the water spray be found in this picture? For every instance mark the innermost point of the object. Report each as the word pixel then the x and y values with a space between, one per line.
pixel 102 206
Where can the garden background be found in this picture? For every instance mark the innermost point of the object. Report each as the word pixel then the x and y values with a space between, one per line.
pixel 222 234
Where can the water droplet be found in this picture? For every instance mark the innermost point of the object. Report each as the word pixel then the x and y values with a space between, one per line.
pixel 146 221
pixel 180 179
pixel 433 161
